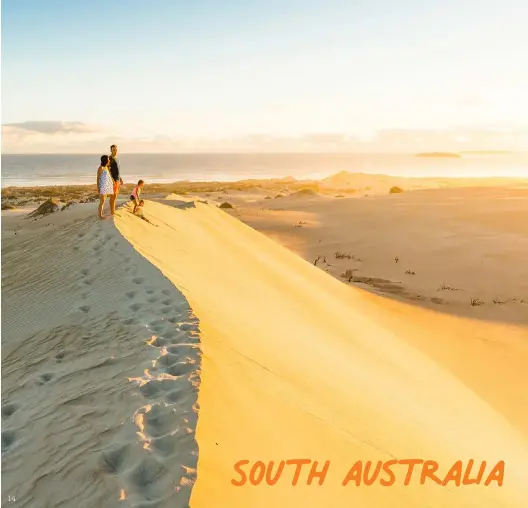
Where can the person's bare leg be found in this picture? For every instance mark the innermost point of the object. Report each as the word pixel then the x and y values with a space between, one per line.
pixel 101 206
pixel 113 203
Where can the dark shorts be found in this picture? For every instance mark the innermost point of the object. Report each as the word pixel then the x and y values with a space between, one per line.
pixel 132 198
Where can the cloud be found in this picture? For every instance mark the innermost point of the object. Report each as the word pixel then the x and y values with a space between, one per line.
pixel 51 127
pixel 77 137
pixel 53 137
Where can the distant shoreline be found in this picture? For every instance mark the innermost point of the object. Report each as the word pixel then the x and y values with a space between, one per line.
pixel 338 185
pixel 446 155
pixel 458 155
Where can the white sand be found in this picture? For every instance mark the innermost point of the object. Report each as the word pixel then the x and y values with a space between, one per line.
pixel 80 307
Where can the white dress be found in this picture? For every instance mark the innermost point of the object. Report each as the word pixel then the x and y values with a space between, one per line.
pixel 106 184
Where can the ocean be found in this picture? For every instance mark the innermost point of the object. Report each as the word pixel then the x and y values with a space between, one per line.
pixel 28 170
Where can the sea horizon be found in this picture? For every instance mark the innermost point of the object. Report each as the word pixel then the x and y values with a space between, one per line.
pixel 22 170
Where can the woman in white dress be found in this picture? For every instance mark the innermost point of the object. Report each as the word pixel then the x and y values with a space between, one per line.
pixel 105 184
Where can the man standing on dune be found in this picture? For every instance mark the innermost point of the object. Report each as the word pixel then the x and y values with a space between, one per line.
pixel 116 177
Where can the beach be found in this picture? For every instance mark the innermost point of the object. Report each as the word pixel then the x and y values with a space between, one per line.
pixel 341 320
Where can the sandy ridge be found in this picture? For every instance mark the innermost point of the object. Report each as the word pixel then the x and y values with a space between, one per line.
pixel 310 367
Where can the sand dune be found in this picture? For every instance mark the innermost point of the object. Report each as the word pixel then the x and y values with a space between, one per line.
pixel 138 371
pixel 297 365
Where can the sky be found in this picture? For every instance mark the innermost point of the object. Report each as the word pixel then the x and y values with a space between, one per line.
pixel 173 73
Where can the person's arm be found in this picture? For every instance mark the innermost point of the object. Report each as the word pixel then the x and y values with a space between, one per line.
pixel 98 177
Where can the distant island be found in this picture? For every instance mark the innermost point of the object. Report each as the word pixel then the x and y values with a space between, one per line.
pixel 439 154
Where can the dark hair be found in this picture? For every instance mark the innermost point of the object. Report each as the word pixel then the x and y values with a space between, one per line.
pixel 140 182
pixel 104 160
pixel 113 146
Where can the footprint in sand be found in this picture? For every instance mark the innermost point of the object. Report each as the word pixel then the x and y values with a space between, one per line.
pixel 85 308
pixel 135 307
pixel 115 459
pixel 149 291
pixel 176 395
pixel 166 302
pixel 159 342
pixel 8 438
pixel 157 326
pixel 152 299
pixel 171 364
pixel 45 378
pixel 156 387
pixel 160 421
pixel 138 280
pixel 144 477
pixel 166 292
pixel 60 355
pixel 131 294
pixel 85 272
pixel 9 410
pixel 168 360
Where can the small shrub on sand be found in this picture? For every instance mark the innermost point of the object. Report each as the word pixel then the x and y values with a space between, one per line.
pixel 226 205
pixel 475 302
pixel 395 190
pixel 445 287
pixel 305 192
pixel 67 205
pixel 349 274
pixel 49 206
pixel 8 206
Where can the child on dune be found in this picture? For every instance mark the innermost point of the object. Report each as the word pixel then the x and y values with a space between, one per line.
pixel 138 210
pixel 136 193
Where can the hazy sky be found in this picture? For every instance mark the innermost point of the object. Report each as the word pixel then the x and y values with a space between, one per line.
pixel 222 68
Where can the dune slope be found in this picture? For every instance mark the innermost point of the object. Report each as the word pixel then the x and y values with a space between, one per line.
pixel 296 365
